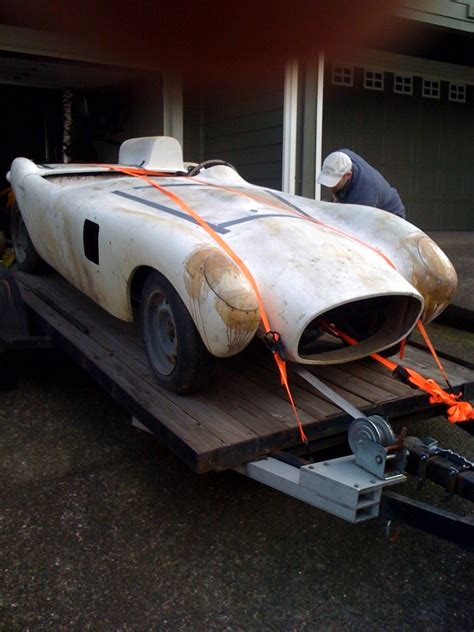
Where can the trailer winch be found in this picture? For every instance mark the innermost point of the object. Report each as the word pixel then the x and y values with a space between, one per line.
pixel 350 486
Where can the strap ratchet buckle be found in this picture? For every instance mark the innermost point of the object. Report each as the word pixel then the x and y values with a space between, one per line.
pixel 273 342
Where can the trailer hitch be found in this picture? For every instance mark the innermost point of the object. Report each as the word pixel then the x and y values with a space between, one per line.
pixel 427 460
pixel 354 487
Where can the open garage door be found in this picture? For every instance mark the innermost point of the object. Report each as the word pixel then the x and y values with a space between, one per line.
pixel 56 110
pixel 59 110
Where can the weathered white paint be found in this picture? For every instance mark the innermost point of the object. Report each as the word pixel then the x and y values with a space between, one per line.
pixel 290 119
pixel 152 153
pixel 302 267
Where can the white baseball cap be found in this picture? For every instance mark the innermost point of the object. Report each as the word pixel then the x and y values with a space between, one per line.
pixel 334 167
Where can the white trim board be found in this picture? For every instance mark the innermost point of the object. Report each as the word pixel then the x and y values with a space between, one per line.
pixel 319 126
pixel 290 118
pixel 67 47
pixel 455 14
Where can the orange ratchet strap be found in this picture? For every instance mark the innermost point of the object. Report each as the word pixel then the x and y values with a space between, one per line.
pixel 429 344
pixel 297 213
pixel 272 338
pixel 458 411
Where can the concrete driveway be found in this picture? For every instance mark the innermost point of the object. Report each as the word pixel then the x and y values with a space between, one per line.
pixel 101 529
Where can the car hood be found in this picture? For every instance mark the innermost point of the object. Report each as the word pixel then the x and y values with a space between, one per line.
pixel 306 270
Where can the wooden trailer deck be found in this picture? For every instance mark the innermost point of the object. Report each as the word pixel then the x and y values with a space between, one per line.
pixel 244 414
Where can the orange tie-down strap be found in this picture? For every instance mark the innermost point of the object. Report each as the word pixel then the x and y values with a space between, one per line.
pixel 272 338
pixel 458 411
pixel 289 209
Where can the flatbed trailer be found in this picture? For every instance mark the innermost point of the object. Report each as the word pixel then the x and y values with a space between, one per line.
pixel 244 417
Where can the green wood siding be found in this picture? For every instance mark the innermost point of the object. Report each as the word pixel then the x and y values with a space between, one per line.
pixel 243 125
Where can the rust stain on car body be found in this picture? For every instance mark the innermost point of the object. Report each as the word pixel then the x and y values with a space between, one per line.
pixel 433 276
pixel 212 277
pixel 194 267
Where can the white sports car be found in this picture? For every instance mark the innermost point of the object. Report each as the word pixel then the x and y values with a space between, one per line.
pixel 190 250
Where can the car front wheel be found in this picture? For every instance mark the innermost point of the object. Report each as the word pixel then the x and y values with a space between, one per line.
pixel 177 355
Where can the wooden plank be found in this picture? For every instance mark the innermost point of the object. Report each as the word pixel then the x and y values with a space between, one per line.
pixel 245 414
pixel 194 411
pixel 259 155
pixel 208 409
pixel 423 362
pixel 190 436
pixel 339 387
pixel 269 183
pixel 420 361
pixel 234 105
pixel 307 400
pixel 352 384
pixel 254 358
pixel 245 140
pixel 127 349
pixel 257 171
pixel 373 373
pixel 122 339
pixel 443 355
pixel 312 404
pixel 227 410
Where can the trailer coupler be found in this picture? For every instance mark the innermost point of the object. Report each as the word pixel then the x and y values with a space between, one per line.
pixel 428 461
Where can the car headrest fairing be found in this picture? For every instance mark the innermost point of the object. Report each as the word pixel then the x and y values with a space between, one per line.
pixel 157 153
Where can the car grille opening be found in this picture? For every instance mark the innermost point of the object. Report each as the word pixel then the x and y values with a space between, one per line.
pixel 376 323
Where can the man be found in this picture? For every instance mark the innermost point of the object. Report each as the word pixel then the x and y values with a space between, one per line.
pixel 353 181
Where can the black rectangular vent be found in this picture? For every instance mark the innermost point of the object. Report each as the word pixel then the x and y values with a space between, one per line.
pixel 91 241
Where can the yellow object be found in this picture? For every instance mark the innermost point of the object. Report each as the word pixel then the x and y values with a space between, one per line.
pixel 8 257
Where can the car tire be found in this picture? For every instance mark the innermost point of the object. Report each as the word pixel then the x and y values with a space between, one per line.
pixel 175 350
pixel 26 257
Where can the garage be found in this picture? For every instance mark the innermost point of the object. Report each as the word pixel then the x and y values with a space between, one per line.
pixel 63 110
pixel 413 120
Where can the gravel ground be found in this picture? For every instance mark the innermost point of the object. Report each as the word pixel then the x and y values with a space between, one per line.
pixel 102 529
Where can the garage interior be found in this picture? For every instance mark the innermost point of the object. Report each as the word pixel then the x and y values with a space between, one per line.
pixel 57 110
